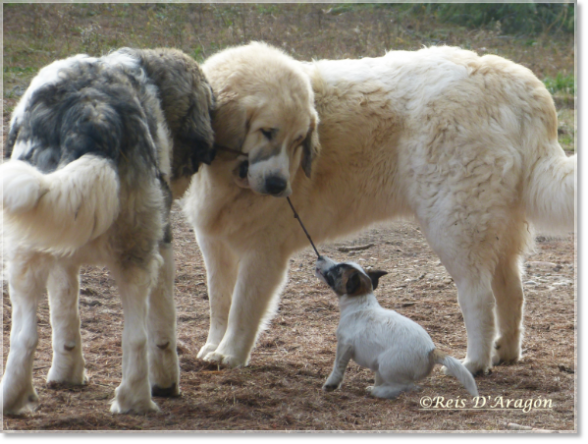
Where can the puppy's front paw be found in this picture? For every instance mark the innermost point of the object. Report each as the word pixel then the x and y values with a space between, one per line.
pixel 329 387
pixel 225 360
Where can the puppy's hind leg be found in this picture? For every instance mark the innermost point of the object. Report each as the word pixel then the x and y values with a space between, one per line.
pixel 389 390
pixel 27 275
pixel 68 361
pixel 221 272
pixel 164 369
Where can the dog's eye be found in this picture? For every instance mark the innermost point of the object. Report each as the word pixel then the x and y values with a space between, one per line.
pixel 268 133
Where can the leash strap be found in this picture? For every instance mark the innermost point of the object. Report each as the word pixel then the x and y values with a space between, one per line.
pixel 302 225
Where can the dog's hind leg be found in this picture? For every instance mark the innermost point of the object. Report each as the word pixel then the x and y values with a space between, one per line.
pixel 164 370
pixel 27 275
pixel 261 275
pixel 68 361
pixel 508 291
pixel 134 393
pixel 221 272
pixel 389 390
pixel 471 264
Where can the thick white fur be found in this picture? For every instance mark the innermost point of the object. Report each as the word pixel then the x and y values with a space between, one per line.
pixel 81 214
pixel 59 212
pixel 149 334
pixel 397 349
pixel 465 144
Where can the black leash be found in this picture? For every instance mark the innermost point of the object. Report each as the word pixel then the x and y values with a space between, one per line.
pixel 302 225
pixel 234 151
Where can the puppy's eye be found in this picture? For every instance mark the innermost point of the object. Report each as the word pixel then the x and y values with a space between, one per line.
pixel 268 133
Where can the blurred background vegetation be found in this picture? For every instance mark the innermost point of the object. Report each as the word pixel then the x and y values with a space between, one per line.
pixel 538 36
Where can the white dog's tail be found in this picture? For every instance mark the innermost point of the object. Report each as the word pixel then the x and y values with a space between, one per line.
pixel 457 370
pixel 61 211
pixel 548 190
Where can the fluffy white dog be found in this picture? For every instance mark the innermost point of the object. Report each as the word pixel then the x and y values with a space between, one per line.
pixel 397 349
pixel 466 145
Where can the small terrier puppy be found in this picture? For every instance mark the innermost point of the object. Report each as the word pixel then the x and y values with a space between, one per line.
pixel 397 349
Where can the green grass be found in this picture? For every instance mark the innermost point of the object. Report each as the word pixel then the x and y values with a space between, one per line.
pixel 564 83
pixel 37 34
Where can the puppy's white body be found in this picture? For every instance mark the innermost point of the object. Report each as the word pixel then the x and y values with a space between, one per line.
pixel 465 144
pixel 397 349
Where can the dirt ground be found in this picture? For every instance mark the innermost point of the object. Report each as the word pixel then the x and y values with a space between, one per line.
pixel 281 389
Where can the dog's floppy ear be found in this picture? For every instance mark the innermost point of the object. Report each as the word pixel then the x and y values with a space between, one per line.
pixel 375 276
pixel 310 146
pixel 229 121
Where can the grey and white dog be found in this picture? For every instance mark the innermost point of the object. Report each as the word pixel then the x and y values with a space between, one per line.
pixel 99 149
pixel 398 350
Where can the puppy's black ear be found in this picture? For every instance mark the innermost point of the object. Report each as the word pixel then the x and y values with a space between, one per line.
pixel 375 276
pixel 358 284
pixel 353 284
pixel 310 147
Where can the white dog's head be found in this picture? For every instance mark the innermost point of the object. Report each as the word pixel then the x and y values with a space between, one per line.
pixel 347 278
pixel 265 109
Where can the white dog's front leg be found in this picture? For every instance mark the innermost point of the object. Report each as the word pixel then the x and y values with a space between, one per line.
pixel 259 278
pixel 26 281
pixel 134 393
pixel 164 368
pixel 68 361
pixel 342 358
pixel 221 272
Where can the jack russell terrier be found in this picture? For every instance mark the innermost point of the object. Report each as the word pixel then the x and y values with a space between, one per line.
pixel 397 349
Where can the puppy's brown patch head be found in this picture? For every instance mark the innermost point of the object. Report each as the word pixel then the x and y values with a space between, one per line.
pixel 347 278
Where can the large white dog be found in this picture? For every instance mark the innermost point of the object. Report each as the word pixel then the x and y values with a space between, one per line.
pixel 465 144
pixel 99 148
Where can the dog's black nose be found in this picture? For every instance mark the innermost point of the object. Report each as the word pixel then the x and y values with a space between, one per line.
pixel 275 185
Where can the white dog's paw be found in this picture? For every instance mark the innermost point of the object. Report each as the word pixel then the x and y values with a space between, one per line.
pixel 75 377
pixel 146 406
pixel 225 360
pixel 19 404
pixel 506 351
pixel 208 348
